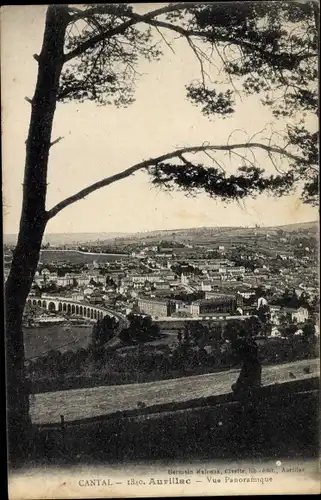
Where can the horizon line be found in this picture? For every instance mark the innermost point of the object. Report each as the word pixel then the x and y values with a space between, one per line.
pixel 174 229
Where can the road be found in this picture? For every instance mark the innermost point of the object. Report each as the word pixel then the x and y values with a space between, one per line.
pixel 91 402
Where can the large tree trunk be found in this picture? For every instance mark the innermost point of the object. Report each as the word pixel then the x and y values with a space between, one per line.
pixel 32 226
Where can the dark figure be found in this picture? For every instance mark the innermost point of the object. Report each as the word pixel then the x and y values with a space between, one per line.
pixel 250 376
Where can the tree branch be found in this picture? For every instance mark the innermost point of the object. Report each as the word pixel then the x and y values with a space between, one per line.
pixel 154 161
pixel 149 18
pixel 56 141
pixel 167 43
pixel 134 19
pixel 181 157
pixel 96 39
pixel 194 49
pixel 211 37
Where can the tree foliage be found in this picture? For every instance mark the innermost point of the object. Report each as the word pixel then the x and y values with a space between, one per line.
pixel 106 71
pixel 104 330
pixel 291 299
pixel 247 181
pixel 308 331
pixel 264 48
pixel 141 329
pixel 236 331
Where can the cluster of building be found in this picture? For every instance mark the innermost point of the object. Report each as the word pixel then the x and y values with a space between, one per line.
pixel 177 284
pixel 212 304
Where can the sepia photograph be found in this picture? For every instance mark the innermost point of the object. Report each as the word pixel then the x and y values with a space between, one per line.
pixel 160 210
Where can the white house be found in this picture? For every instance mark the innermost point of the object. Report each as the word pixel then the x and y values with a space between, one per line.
pixel 297 315
pixel 261 302
pixel 300 315
pixel 205 286
pixel 246 294
pixel 77 296
pixel 184 279
pixel 275 332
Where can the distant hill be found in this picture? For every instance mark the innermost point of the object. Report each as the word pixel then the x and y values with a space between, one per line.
pixel 209 232
pixel 299 226
pixel 56 239
pixel 68 238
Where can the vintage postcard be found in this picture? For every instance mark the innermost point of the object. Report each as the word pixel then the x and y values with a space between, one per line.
pixel 160 220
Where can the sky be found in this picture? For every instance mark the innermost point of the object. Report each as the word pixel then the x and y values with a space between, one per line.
pixel 100 141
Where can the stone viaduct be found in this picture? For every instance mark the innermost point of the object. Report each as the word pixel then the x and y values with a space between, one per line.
pixel 69 306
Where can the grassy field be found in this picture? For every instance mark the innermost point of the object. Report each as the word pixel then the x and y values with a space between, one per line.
pixel 39 341
pixel 77 257
pixel 92 402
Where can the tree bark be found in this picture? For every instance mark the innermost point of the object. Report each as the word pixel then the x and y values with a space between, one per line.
pixel 32 226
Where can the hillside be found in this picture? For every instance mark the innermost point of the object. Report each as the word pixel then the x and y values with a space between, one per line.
pixel 208 234
pixel 189 234
pixel 96 401
pixel 299 226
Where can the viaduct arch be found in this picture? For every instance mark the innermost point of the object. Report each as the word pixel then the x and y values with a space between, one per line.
pixel 68 306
